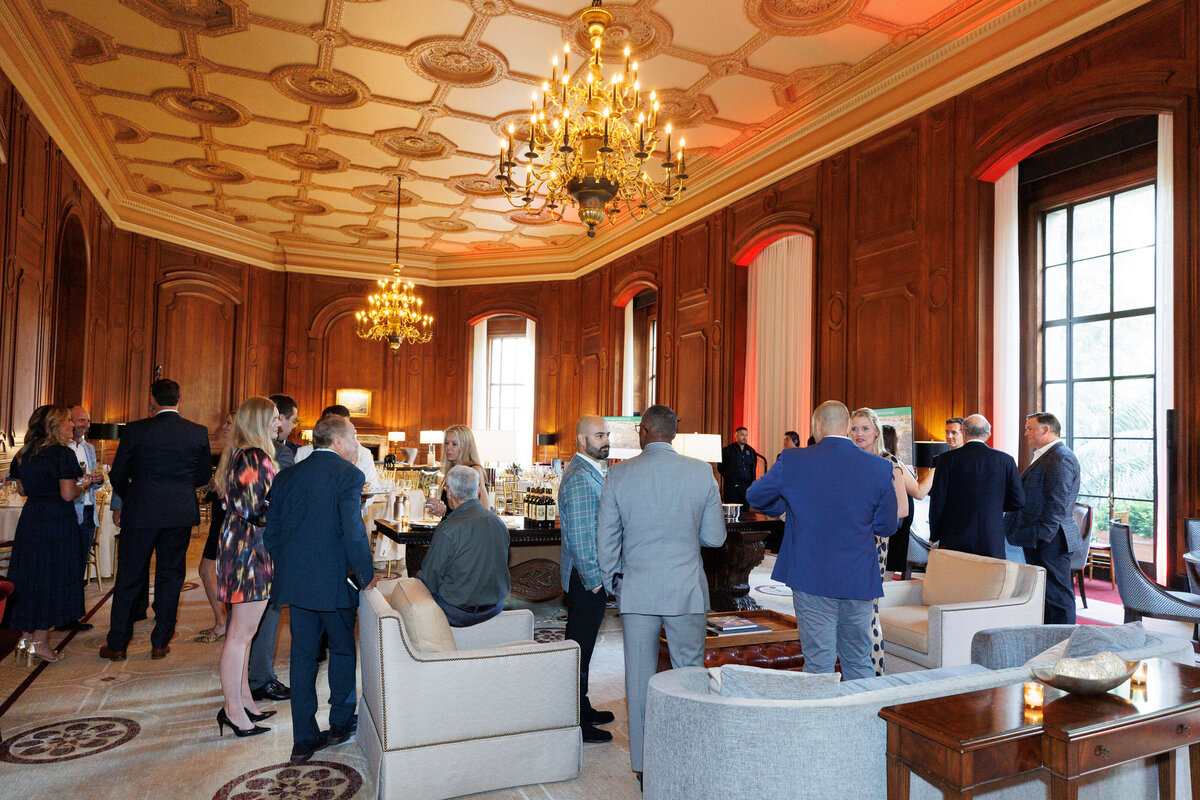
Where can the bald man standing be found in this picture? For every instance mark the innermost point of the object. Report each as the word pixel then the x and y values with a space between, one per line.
pixel 972 488
pixel 579 506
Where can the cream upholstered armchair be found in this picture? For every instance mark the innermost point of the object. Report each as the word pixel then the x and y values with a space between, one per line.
pixel 930 623
pixel 452 711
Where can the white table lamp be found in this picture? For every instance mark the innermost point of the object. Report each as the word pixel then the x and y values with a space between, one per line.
pixel 433 439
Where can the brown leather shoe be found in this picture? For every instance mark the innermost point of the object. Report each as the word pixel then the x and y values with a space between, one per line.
pixel 159 652
pixel 111 655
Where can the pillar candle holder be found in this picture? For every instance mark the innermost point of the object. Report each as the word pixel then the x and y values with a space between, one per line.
pixel 1033 695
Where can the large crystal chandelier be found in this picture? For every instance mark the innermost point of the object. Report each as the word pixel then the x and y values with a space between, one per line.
pixel 589 142
pixel 394 315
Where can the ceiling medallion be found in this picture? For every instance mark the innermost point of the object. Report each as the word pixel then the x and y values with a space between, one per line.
pixel 490 8
pixel 212 17
pixel 590 142
pixel 312 159
pixel 206 109
pixel 476 185
pixel 394 315
pixel 384 195
pixel 442 225
pixel 685 110
pixel 299 205
pixel 365 232
pixel 411 143
pixel 801 17
pixel 216 171
pixel 320 87
pixel 447 60
pixel 643 32
pixel 227 214
pixel 525 216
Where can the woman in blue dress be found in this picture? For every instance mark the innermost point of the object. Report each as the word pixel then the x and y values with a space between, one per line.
pixel 46 567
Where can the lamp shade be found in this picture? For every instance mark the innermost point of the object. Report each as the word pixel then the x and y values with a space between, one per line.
pixel 927 452
pixel 432 437
pixel 104 431
pixel 704 446
pixel 497 447
pixel 546 439
pixel 395 436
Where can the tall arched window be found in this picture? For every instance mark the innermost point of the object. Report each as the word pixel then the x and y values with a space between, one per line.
pixel 502 386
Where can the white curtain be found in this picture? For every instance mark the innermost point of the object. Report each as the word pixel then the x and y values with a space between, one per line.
pixel 1007 419
pixel 779 346
pixel 1164 321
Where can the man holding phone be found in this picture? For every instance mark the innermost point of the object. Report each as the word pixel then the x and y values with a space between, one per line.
pixel 318 543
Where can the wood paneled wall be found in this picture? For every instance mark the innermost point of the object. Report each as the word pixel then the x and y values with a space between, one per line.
pixel 902 295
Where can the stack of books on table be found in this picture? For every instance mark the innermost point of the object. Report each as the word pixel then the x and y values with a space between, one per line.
pixel 721 626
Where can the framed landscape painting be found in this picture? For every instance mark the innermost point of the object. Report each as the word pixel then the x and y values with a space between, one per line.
pixel 357 400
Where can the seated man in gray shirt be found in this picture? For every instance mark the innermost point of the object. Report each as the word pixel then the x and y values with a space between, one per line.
pixel 466 568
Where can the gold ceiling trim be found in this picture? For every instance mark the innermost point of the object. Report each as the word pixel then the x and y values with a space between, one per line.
pixel 904 83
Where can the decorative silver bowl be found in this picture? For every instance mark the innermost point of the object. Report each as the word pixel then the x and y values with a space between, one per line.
pixel 1083 685
pixel 733 511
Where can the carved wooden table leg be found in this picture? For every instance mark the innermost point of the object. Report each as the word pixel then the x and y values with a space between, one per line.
pixel 728 570
pixel 897 779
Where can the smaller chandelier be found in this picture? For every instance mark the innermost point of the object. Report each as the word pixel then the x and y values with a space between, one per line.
pixel 590 141
pixel 394 314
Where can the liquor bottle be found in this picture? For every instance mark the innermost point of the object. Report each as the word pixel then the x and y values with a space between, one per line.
pixel 551 508
pixel 539 510
pixel 526 509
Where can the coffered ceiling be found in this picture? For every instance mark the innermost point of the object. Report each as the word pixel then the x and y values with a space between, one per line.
pixel 275 130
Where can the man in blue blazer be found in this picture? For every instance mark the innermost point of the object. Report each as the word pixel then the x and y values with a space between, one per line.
pixel 161 462
pixel 316 538
pixel 838 498
pixel 972 488
pixel 1046 526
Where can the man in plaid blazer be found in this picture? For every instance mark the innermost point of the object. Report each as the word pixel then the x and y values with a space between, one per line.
pixel 1046 527
pixel 578 507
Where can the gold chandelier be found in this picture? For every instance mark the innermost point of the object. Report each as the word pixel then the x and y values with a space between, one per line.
pixel 590 142
pixel 394 315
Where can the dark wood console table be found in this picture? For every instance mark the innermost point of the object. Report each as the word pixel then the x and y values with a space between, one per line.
pixel 728 566
pixel 961 742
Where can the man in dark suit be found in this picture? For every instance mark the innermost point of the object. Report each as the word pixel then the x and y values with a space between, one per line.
pixel 316 539
pixel 739 465
pixel 838 498
pixel 972 488
pixel 160 463
pixel 1046 526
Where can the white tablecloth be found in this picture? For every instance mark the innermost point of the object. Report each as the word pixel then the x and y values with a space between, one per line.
pixel 106 531
pixel 385 548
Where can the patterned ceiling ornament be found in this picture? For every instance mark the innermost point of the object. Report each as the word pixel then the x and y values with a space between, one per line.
pixel 227 214
pixel 83 44
pixel 476 185
pixel 643 32
pixel 490 8
pixel 493 247
pixel 151 187
pixel 124 131
pixel 300 157
pixel 384 195
pixel 685 110
pixel 216 171
pixel 801 17
pixel 365 232
pixel 442 225
pixel 208 17
pixel 320 87
pixel 299 205
pixel 524 216
pixel 519 120
pixel 809 83
pixel 206 109
pixel 444 59
pixel 411 143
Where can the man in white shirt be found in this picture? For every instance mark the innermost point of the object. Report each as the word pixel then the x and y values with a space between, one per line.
pixel 364 460
pixel 85 504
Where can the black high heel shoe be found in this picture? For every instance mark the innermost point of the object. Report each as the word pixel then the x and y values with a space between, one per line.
pixel 258 717
pixel 223 720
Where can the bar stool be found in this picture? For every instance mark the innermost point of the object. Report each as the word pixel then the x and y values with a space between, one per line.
pixel 1100 555
pixel 93 563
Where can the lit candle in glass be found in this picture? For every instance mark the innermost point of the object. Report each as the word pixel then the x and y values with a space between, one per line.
pixel 1033 716
pixel 1139 674
pixel 1033 694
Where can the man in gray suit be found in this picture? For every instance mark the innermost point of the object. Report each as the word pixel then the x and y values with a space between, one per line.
pixel 656 511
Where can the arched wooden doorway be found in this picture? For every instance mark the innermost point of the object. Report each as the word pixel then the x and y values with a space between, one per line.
pixel 70 311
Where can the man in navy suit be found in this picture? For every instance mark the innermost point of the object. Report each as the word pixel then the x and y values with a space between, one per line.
pixel 316 538
pixel 972 488
pixel 1046 526
pixel 160 463
pixel 838 498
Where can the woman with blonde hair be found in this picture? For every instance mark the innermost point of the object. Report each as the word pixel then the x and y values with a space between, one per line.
pixel 46 559
pixel 866 433
pixel 244 568
pixel 458 449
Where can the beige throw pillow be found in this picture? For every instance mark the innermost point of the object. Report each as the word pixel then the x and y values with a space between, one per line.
pixel 424 620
